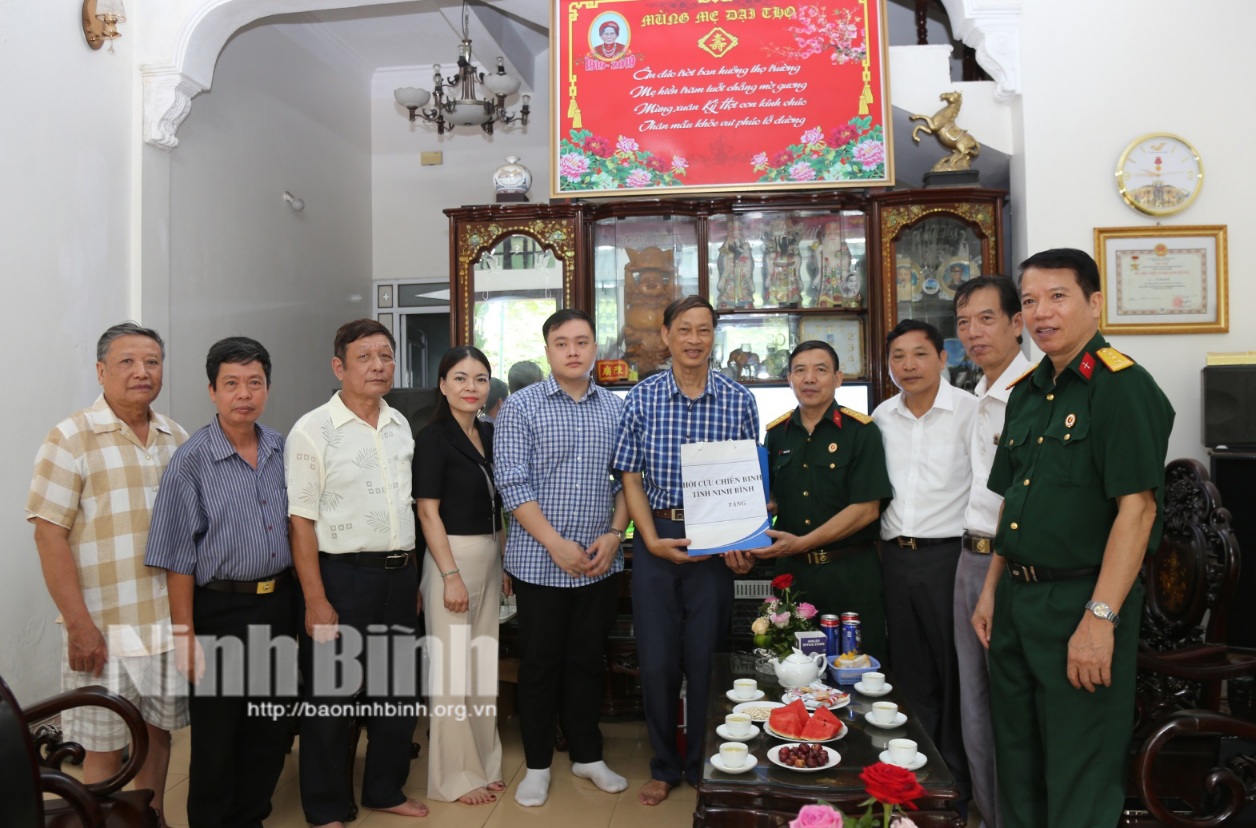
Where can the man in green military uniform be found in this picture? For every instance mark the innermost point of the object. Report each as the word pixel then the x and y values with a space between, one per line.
pixel 828 478
pixel 1080 464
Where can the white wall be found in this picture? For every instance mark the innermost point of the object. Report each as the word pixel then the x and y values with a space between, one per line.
pixel 1098 75
pixel 286 112
pixel 65 210
pixel 411 234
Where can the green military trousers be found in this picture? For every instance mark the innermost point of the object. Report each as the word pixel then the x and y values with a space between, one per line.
pixel 1063 752
pixel 852 584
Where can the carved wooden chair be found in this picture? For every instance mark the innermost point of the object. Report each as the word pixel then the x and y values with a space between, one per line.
pixel 1189 767
pixel 30 767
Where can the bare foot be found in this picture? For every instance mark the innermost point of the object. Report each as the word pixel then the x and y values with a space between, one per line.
pixel 653 792
pixel 479 796
pixel 496 787
pixel 411 808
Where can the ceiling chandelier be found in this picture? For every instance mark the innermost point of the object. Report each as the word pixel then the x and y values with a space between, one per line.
pixel 455 101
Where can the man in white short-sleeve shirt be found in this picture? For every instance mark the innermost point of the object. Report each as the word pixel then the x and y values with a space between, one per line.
pixel 926 430
pixel 352 514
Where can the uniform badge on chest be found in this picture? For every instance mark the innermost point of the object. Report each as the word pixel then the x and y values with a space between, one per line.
pixel 832 447
pixel 1070 420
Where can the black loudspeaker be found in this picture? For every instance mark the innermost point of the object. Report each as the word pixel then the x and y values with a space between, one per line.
pixel 1229 401
pixel 1234 475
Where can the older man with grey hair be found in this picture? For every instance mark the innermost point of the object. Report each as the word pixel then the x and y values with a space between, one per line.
pixel 95 482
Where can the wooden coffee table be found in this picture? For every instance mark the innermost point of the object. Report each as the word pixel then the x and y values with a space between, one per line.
pixel 769 795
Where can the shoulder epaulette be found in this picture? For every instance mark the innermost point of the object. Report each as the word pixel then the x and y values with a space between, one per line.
pixel 1013 383
pixel 1114 359
pixel 784 417
pixel 855 415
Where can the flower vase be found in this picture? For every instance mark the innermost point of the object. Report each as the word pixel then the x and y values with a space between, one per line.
pixel 763 662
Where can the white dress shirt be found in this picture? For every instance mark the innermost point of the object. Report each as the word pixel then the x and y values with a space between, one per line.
pixel 929 465
pixel 353 480
pixel 982 517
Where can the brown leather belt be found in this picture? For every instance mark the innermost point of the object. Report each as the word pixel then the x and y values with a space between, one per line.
pixel 905 542
pixel 980 544
pixel 376 560
pixel 1035 574
pixel 263 587
pixel 670 514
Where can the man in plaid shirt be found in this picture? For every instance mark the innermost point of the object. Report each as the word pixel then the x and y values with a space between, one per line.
pixel 96 478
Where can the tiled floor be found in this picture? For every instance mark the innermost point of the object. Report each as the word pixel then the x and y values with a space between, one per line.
pixel 572 801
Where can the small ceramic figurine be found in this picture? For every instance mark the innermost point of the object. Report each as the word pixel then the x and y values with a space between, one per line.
pixel 782 271
pixel 736 283
pixel 648 289
pixel 834 265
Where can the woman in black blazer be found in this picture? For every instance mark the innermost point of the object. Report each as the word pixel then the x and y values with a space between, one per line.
pixel 462 583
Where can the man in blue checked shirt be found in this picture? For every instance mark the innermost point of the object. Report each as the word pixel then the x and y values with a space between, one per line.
pixel 682 607
pixel 553 443
pixel 220 530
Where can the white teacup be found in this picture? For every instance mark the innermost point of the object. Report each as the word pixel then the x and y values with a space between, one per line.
pixel 873 681
pixel 744 688
pixel 902 751
pixel 885 712
pixel 733 754
pixel 738 724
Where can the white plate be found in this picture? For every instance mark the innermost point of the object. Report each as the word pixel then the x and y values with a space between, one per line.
pixel 722 730
pixel 812 704
pixel 767 705
pixel 732 696
pixel 751 761
pixel 900 719
pixel 859 686
pixel 840 734
pixel 834 758
pixel 917 763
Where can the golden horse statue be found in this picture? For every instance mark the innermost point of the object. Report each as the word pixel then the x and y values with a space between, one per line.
pixel 964 148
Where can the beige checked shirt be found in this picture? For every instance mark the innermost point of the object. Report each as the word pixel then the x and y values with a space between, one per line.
pixel 94 477
pixel 352 480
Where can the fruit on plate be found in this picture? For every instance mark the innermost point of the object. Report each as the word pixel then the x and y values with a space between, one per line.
pixel 803 756
pixel 790 720
pixel 822 727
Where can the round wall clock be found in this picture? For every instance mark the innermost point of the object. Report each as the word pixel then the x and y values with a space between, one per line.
pixel 1159 174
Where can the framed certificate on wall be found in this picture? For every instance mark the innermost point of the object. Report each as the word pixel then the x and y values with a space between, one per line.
pixel 1163 279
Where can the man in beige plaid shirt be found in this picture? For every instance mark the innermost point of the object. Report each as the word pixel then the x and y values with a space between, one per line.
pixel 96 478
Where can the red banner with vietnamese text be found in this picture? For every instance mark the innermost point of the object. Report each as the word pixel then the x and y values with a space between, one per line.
pixel 718 95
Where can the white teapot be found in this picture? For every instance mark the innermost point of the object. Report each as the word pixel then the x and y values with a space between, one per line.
pixel 798 670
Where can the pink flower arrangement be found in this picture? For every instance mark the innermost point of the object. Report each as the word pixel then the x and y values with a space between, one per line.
pixel 779 619
pixel 638 178
pixel 817 816
pixel 771 599
pixel 572 166
pixel 806 610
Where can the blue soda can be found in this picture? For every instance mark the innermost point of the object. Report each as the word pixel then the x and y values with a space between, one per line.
pixel 851 640
pixel 831 625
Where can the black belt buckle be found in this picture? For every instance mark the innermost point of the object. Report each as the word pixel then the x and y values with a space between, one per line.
pixel 397 561
pixel 906 543
pixel 1020 572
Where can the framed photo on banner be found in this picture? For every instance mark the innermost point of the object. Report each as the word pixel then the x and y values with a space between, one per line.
pixel 703 96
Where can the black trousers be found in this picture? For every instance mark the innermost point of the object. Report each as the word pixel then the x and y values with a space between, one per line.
pixel 381 605
pixel 562 646
pixel 920 611
pixel 240 718
pixel 681 614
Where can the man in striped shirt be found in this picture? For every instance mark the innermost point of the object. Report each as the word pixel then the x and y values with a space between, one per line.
pixel 220 530
pixel 553 444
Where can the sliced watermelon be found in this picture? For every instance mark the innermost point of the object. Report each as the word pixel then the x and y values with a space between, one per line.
pixel 818 730
pixel 824 714
pixel 790 720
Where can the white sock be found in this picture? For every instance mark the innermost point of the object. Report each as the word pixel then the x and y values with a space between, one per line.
pixel 602 776
pixel 534 789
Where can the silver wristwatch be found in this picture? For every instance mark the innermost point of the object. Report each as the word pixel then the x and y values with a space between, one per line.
pixel 1101 610
pixel 619 533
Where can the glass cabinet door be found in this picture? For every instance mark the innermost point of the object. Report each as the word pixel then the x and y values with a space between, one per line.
pixel 517 284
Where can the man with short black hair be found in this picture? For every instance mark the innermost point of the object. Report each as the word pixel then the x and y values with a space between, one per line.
pixel 553 443
pixel 926 429
pixel 353 535
pixel 988 322
pixel 96 477
pixel 220 530
pixel 682 606
pixel 827 465
pixel 1080 465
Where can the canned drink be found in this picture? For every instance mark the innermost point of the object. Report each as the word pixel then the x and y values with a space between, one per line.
pixel 831 626
pixel 851 637
pixel 850 616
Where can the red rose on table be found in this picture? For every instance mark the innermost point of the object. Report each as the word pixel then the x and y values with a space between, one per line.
pixel 782 582
pixel 891 784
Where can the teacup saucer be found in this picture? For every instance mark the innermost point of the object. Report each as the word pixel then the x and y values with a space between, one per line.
pixel 900 719
pixel 916 764
pixel 732 696
pixel 751 761
pixel 859 687
pixel 724 733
